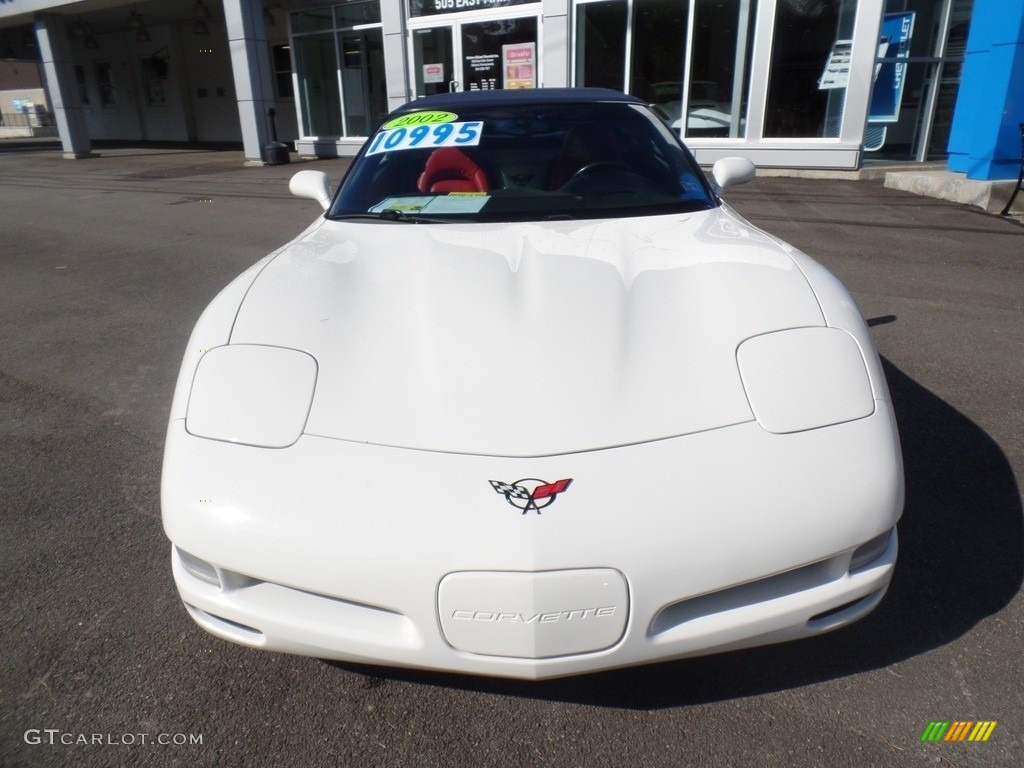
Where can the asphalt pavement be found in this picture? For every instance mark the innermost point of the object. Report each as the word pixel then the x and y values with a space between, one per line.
pixel 105 265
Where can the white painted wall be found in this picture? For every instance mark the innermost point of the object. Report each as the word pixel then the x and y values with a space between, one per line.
pixel 142 111
pixel 211 84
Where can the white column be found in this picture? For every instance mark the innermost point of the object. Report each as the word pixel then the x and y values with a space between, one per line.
pixel 554 44
pixel 59 67
pixel 396 66
pixel 250 62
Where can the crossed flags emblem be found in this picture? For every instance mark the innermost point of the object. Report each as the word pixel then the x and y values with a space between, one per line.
pixel 530 493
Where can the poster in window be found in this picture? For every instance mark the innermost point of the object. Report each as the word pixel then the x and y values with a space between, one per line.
pixel 154 73
pixel 433 73
pixel 520 64
pixel 837 68
pixel 481 71
pixel 891 73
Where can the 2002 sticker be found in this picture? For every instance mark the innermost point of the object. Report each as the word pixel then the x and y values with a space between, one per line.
pixel 437 135
pixel 420 118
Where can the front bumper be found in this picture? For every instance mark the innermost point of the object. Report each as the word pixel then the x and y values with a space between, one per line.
pixel 720 540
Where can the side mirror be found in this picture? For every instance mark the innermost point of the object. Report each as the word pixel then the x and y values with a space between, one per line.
pixel 730 171
pixel 312 184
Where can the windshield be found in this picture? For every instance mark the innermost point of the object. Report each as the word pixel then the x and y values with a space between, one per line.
pixel 523 162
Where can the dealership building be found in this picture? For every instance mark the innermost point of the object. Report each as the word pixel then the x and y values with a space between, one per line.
pixel 816 84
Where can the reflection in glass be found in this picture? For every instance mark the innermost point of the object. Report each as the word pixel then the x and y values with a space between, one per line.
pixel 601 45
pixel 363 83
pixel 352 14
pixel 720 68
pixel 316 20
pixel 318 84
pixel 802 102
pixel 659 34
pixel 708 39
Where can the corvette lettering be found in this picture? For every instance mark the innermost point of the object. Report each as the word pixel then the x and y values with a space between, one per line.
pixel 530 493
pixel 497 617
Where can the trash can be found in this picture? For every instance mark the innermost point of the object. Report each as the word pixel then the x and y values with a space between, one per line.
pixel 275 153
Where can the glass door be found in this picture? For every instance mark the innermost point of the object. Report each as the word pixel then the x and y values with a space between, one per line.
pixel 499 54
pixel 475 55
pixel 434 60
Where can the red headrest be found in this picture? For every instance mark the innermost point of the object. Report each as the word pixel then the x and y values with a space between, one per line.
pixel 449 169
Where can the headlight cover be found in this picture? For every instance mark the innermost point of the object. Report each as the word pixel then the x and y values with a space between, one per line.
pixel 805 378
pixel 251 394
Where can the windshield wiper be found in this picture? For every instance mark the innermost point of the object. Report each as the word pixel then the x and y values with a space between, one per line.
pixel 388 215
pixel 393 214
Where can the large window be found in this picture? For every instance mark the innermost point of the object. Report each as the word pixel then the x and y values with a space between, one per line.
pixel 810 68
pixel 83 87
pixel 921 50
pixel 339 58
pixel 723 35
pixel 687 57
pixel 317 63
pixel 281 55
pixel 601 44
pixel 659 44
pixel 363 81
pixel 105 84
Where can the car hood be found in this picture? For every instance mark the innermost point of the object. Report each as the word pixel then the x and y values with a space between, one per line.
pixel 526 339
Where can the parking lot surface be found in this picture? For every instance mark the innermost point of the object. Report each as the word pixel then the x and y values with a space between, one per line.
pixel 105 265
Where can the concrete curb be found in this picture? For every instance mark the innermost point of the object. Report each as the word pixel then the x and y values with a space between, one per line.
pixel 956 187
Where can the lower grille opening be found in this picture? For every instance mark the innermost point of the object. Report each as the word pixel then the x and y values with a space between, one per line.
pixel 745 595
pixel 867 553
pixel 842 613
pixel 200 569
pixel 239 632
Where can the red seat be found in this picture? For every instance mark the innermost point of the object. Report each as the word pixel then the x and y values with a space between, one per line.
pixel 449 169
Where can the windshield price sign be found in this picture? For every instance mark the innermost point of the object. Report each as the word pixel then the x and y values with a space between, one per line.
pixel 427 136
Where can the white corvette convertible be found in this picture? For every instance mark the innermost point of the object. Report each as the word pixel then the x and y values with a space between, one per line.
pixel 528 400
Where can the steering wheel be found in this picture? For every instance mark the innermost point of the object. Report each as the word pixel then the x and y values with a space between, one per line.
pixel 600 165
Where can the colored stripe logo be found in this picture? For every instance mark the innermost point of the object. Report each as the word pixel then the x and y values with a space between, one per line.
pixel 543 491
pixel 959 730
